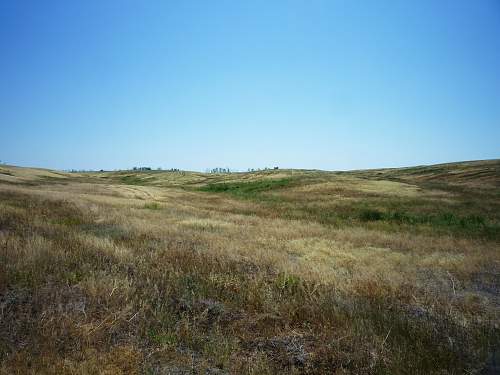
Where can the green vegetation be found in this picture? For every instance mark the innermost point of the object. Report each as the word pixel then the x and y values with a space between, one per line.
pixel 446 219
pixel 249 190
pixel 475 225
pixel 131 180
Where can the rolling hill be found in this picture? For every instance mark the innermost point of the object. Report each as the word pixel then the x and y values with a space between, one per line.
pixel 269 272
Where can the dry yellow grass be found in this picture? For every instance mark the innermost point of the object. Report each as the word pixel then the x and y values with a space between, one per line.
pixel 323 275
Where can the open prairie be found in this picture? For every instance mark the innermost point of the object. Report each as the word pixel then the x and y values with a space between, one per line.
pixel 390 271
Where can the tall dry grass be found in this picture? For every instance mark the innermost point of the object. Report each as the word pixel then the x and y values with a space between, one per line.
pixel 101 277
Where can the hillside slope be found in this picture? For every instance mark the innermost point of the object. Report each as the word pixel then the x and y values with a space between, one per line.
pixel 482 174
pixel 273 272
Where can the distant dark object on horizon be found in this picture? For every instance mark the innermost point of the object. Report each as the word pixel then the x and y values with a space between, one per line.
pixel 141 168
pixel 220 170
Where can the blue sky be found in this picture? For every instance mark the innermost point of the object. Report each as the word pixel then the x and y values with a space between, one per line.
pixel 201 84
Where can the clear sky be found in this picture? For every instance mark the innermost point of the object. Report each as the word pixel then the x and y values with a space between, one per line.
pixel 201 84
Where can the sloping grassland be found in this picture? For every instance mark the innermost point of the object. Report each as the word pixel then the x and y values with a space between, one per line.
pixel 392 271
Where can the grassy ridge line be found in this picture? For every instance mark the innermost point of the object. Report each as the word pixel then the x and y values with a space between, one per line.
pixel 481 174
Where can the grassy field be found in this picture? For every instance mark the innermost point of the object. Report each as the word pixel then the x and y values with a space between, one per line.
pixel 390 271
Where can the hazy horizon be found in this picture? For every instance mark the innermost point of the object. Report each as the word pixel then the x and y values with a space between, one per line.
pixel 192 85
pixel 240 170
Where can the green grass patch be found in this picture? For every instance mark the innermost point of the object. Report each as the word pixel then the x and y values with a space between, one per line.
pixel 438 219
pixel 468 224
pixel 131 180
pixel 163 338
pixel 247 189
